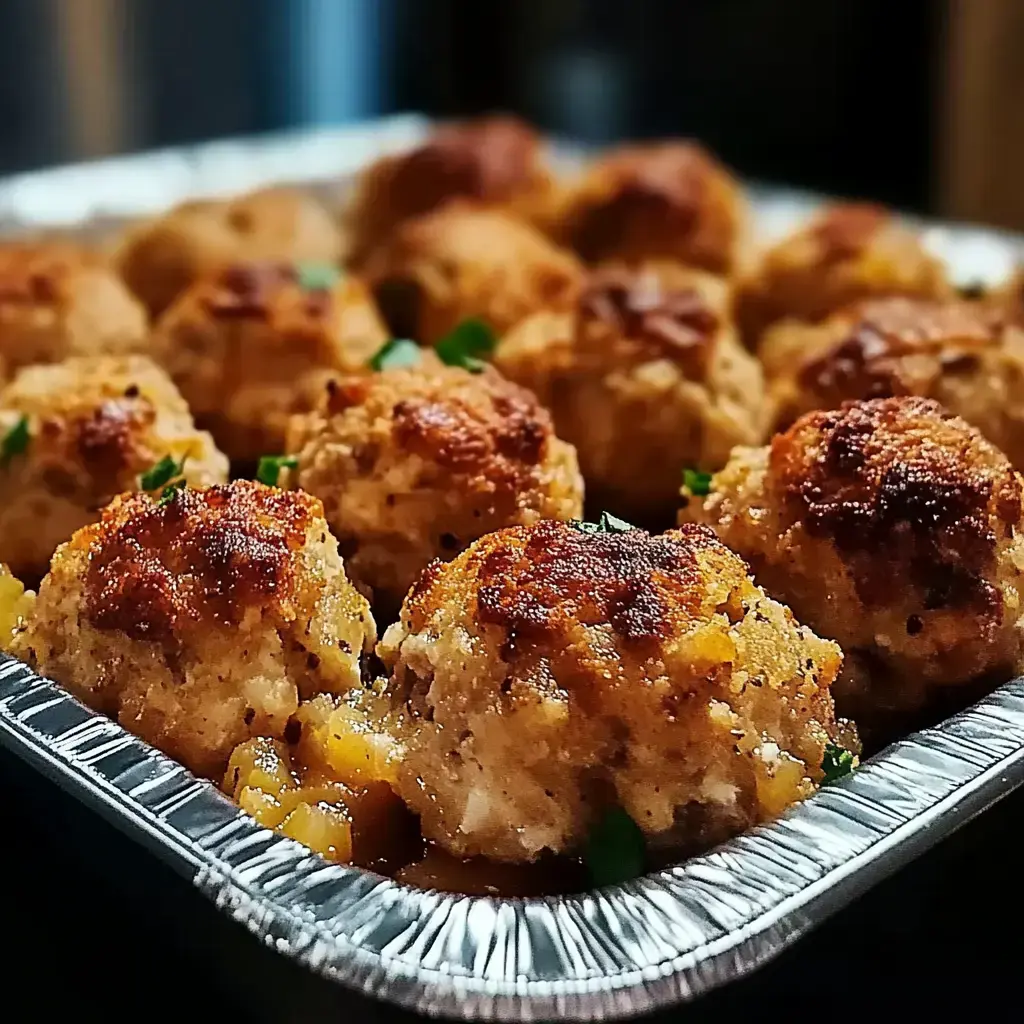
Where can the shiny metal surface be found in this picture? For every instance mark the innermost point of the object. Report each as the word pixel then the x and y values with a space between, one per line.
pixel 663 938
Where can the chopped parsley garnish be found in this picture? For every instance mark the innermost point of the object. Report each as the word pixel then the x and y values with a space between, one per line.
pixel 465 346
pixel 836 763
pixel 161 474
pixel 696 482
pixel 317 277
pixel 169 492
pixel 15 441
pixel 615 850
pixel 396 353
pixel 270 466
pixel 606 524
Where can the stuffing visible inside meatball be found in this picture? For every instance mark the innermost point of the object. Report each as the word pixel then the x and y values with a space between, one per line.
pixel 199 619
pixel 958 353
pixel 495 161
pixel 848 252
pixel 646 377
pixel 161 258
pixel 892 527
pixel 412 464
pixel 463 261
pixel 58 301
pixel 551 673
pixel 77 433
pixel 254 343
pixel 662 201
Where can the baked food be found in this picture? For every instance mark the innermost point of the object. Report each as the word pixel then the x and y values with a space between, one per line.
pixel 58 301
pixel 160 258
pixel 551 674
pixel 463 261
pixel 493 161
pixel 667 200
pixel 894 528
pixel 413 464
pixel 76 434
pixel 254 342
pixel 645 378
pixel 201 619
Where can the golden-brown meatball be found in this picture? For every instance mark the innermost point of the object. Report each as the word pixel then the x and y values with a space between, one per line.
pixel 200 620
pixel 495 161
pixel 663 201
pixel 850 251
pixel 413 464
pixel 161 258
pixel 58 301
pixel 645 378
pixel 464 262
pixel 254 343
pixel 548 674
pixel 892 527
pixel 89 429
pixel 957 353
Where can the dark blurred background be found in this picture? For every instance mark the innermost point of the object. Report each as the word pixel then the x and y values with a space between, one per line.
pixel 909 101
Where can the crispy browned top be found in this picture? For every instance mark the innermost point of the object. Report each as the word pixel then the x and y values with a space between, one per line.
pixel 486 159
pixel 665 183
pixel 537 581
pixel 253 290
pixel 38 273
pixel 868 359
pixel 158 570
pixel 907 492
pixel 676 324
pixel 111 438
pixel 469 424
pixel 846 229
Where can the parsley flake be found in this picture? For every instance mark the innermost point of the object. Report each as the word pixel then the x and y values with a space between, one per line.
pixel 615 850
pixel 161 474
pixel 606 524
pixel 15 441
pixel 696 482
pixel 317 277
pixel 396 353
pixel 465 345
pixel 270 466
pixel 836 763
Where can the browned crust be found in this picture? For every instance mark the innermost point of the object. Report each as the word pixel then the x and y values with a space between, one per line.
pixel 158 569
pixel 112 438
pixel 902 481
pixel 262 289
pixel 40 273
pixel 534 582
pixel 845 230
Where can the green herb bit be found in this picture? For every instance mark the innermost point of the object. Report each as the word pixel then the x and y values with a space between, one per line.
pixel 161 474
pixel 606 524
pixel 465 346
pixel 836 763
pixel 317 277
pixel 169 492
pixel 15 441
pixel 396 353
pixel 270 466
pixel 615 850
pixel 696 482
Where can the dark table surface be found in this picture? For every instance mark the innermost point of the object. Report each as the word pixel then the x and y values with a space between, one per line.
pixel 115 932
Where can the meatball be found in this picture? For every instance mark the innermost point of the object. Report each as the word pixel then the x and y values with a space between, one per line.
pixel 463 261
pixel 253 343
pixel 80 432
pixel 413 464
pixel 495 161
pixel 849 252
pixel 549 674
pixel 957 353
pixel 646 377
pixel 663 201
pixel 58 301
pixel 161 258
pixel 200 619
pixel 892 527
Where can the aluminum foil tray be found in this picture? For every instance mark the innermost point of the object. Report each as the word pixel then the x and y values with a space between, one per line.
pixel 664 938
